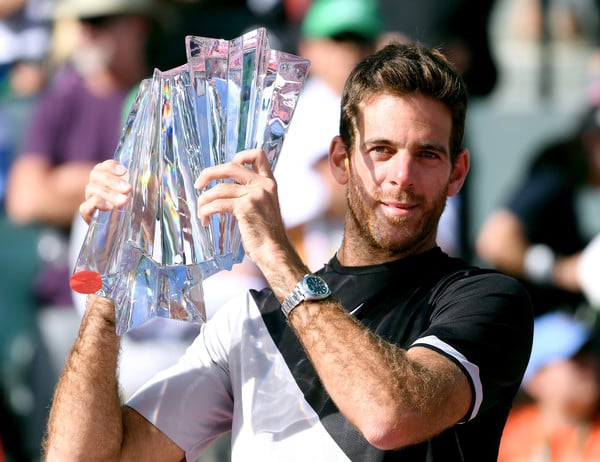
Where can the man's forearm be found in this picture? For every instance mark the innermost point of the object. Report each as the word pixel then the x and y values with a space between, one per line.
pixel 393 397
pixel 85 421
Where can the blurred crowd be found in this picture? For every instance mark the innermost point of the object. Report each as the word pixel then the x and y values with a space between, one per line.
pixel 68 69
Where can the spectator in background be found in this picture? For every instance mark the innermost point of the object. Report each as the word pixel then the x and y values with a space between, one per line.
pixel 558 419
pixel 588 269
pixel 335 36
pixel 24 38
pixel 539 235
pixel 24 35
pixel 75 123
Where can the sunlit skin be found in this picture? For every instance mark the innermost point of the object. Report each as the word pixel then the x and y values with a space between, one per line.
pixel 398 177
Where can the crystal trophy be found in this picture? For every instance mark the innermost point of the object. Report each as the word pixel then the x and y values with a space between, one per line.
pixel 151 256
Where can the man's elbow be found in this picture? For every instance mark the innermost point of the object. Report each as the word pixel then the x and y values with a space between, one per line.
pixel 397 431
pixel 390 432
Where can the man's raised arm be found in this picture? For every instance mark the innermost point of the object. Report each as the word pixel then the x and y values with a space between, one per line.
pixel 87 421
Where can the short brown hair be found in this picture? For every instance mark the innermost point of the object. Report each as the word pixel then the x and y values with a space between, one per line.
pixel 402 69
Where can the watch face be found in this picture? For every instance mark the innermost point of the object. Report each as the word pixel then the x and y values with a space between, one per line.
pixel 317 286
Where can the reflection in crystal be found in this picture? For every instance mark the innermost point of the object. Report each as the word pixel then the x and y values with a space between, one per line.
pixel 151 256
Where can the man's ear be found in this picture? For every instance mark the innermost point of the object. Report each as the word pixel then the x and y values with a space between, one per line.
pixel 459 172
pixel 339 162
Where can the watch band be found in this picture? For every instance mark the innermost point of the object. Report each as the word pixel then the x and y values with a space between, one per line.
pixel 291 301
pixel 310 287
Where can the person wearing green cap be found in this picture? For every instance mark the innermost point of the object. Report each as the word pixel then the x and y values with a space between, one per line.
pixel 328 18
pixel 331 25
pixel 392 351
pixel 335 35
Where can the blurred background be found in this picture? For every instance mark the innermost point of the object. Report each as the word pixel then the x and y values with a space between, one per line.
pixel 68 70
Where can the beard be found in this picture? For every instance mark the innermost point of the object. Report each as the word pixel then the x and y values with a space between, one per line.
pixel 393 234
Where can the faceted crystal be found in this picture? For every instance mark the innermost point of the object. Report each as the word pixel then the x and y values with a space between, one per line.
pixel 151 256
pixel 245 98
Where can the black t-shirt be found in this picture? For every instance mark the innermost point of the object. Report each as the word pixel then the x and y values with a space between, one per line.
pixel 431 300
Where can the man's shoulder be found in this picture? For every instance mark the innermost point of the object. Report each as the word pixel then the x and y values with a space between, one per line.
pixel 459 280
pixel 481 277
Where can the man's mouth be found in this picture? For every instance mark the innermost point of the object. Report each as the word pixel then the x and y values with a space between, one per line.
pixel 399 208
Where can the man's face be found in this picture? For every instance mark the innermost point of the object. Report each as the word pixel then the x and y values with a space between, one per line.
pixel 400 174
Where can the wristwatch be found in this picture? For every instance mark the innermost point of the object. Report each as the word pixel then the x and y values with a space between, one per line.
pixel 311 287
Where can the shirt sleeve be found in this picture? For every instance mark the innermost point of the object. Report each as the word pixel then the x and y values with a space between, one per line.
pixel 484 323
pixel 191 402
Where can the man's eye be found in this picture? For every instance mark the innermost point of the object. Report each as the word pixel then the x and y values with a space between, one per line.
pixel 381 149
pixel 430 154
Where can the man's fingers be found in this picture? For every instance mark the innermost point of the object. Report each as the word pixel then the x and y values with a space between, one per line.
pixel 87 208
pixel 109 175
pixel 109 182
pixel 229 171
pixel 257 159
pixel 107 193
pixel 244 167
pixel 218 199
pixel 213 208
pixel 108 188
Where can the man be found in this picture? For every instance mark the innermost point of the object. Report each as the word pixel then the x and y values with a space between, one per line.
pixel 413 356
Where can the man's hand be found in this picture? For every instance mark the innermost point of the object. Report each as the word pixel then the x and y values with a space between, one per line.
pixel 108 189
pixel 251 197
